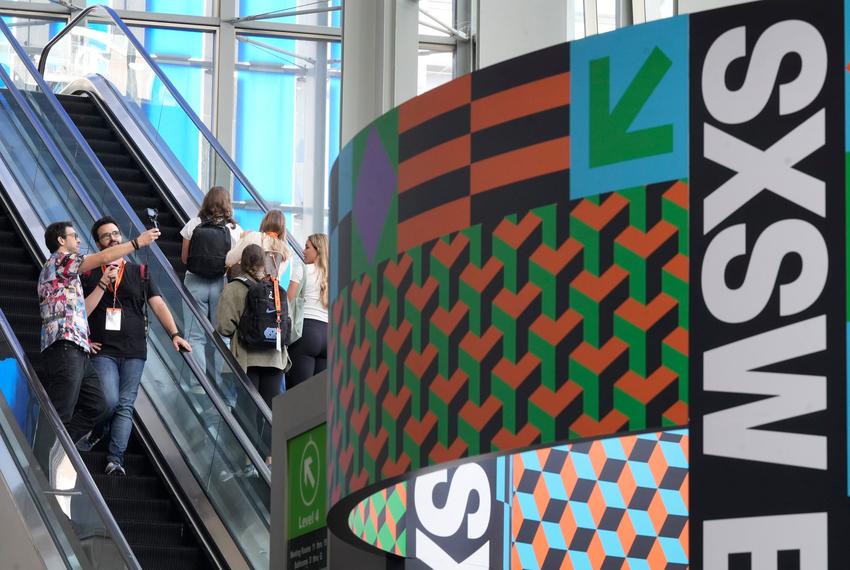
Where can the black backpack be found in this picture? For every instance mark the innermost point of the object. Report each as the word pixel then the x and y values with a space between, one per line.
pixel 207 249
pixel 261 317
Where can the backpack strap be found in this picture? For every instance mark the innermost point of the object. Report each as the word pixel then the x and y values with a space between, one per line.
pixel 242 279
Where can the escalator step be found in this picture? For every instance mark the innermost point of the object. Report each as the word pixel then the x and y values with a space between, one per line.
pixel 97 133
pixel 143 533
pixel 116 160
pixel 170 558
pixel 108 146
pixel 88 120
pixel 142 510
pixel 15 252
pixel 132 189
pixel 130 486
pixel 134 463
pixel 140 203
pixel 122 174
pixel 75 104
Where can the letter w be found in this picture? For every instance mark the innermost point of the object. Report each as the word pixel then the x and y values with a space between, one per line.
pixel 732 368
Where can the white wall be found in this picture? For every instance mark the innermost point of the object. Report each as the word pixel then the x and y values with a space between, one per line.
pixel 688 6
pixel 508 28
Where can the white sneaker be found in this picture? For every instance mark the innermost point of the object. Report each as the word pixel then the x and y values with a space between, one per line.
pixel 113 468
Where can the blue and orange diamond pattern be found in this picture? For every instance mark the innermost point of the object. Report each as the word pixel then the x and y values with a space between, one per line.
pixel 613 503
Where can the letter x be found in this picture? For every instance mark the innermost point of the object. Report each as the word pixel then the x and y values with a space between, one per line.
pixel 771 169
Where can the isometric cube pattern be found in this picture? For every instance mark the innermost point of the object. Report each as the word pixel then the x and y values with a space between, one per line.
pixel 498 338
pixel 613 503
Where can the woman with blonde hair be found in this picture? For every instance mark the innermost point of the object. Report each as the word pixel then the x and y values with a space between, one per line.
pixel 309 354
pixel 271 238
pixel 206 240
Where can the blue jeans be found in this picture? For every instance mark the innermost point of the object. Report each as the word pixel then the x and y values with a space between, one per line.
pixel 120 378
pixel 206 293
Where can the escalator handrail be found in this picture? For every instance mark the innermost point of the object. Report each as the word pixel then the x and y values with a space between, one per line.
pixel 184 105
pixel 128 211
pixel 116 19
pixel 228 418
pixel 83 475
pixel 202 321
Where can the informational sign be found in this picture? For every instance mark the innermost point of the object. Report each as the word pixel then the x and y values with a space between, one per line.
pixel 307 500
pixel 768 398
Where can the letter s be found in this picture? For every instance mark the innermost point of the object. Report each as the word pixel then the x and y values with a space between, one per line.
pixel 775 242
pixel 446 521
pixel 790 36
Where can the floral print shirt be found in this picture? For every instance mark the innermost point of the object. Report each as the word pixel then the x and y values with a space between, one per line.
pixel 63 307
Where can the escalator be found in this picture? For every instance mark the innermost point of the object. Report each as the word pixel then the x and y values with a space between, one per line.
pixel 128 172
pixel 150 517
pixel 18 297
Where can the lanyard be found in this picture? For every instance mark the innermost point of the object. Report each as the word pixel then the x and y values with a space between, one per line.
pixel 114 287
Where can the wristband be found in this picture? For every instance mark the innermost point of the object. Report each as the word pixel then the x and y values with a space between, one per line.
pixel 102 286
pixel 175 333
pixel 135 243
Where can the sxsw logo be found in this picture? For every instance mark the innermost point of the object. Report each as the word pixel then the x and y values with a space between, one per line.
pixel 768 481
pixel 454 520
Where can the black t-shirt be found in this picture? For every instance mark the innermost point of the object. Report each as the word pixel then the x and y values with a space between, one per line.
pixel 130 341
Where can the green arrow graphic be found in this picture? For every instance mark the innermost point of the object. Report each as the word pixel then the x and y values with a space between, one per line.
pixel 610 139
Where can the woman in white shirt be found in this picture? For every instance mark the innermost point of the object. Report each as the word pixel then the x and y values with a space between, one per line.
pixel 213 229
pixel 309 354
pixel 271 237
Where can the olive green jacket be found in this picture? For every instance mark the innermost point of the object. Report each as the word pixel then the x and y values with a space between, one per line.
pixel 230 307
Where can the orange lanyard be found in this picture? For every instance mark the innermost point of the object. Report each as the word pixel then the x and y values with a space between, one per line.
pixel 114 287
pixel 275 235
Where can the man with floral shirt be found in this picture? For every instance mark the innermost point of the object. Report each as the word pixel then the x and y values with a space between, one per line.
pixel 69 378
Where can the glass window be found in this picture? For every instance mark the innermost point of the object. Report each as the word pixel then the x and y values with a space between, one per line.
pixel 185 56
pixel 435 68
pixel 33 33
pixel 575 20
pixel 606 15
pixel 320 17
pixel 442 10
pixel 657 9
pixel 182 7
pixel 285 128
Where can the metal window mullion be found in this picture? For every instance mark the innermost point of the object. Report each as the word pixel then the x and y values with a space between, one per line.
pixel 320 138
pixel 224 91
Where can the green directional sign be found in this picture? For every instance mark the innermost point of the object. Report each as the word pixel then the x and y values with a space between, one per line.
pixel 611 137
pixel 307 482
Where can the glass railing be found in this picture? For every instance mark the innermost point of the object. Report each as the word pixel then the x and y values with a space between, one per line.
pixel 221 369
pixel 71 508
pixel 97 41
pixel 226 459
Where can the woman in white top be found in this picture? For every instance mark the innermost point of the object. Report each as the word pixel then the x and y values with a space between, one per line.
pixel 216 210
pixel 271 237
pixel 309 354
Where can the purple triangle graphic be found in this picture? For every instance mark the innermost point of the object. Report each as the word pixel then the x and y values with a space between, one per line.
pixel 376 186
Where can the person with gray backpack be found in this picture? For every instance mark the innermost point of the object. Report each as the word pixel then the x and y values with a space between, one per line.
pixel 206 240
